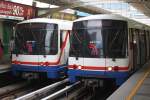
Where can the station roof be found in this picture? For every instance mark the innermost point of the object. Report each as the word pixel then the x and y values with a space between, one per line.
pixel 73 4
pixel 138 10
pixel 93 7
pixel 141 5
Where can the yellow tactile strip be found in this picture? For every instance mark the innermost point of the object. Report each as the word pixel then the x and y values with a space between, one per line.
pixel 138 85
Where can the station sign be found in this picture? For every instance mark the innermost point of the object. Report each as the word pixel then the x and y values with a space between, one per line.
pixel 10 10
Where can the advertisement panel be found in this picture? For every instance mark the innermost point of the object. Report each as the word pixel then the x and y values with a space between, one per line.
pixel 10 10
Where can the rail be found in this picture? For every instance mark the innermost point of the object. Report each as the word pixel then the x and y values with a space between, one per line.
pixel 4 68
pixel 42 91
pixel 10 88
pixel 60 92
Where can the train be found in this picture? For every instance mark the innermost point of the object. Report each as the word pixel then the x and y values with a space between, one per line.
pixel 107 46
pixel 41 48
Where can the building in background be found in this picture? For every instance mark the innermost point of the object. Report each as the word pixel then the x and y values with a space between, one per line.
pixel 10 14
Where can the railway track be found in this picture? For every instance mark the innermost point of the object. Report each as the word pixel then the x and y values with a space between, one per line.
pixel 59 91
pixel 12 89
pixel 16 90
pixel 72 92
pixel 43 92
pixel 8 79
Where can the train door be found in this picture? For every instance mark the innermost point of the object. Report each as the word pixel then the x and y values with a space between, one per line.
pixel 147 45
pixel 149 42
pixel 134 45
pixel 93 55
pixel 130 48
pixel 49 50
pixel 115 47
pixel 142 47
pixel 48 45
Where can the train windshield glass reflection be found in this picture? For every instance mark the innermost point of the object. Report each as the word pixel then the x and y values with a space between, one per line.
pixel 105 38
pixel 36 38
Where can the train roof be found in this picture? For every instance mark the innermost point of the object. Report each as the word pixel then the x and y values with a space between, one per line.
pixel 63 24
pixel 131 23
pixel 101 16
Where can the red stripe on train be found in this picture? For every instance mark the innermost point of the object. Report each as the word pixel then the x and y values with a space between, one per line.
pixel 125 68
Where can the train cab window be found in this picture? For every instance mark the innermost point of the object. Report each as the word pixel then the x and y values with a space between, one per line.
pixel 115 38
pixel 76 43
pixel 51 40
pixel 86 39
pixel 37 38
pixel 95 45
pixel 99 39
pixel 54 43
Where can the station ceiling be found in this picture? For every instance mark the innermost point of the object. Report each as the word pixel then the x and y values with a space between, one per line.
pixel 142 14
pixel 73 4
pixel 141 5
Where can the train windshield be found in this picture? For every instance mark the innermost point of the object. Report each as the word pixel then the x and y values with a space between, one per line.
pixel 36 38
pixel 99 39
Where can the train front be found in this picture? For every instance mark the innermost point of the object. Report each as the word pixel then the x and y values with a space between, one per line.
pixel 99 50
pixel 36 45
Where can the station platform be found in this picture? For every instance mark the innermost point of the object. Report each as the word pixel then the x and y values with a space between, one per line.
pixel 4 68
pixel 137 87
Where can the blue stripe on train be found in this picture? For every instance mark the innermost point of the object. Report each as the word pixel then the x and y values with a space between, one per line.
pixel 119 76
pixel 52 71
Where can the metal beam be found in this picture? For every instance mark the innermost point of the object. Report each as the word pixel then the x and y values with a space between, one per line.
pixel 141 5
pixel 73 4
pixel 91 9
pixel 51 10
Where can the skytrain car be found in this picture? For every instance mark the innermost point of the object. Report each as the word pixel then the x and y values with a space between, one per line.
pixel 107 46
pixel 41 46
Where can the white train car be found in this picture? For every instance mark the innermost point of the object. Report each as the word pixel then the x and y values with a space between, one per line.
pixel 107 46
pixel 41 46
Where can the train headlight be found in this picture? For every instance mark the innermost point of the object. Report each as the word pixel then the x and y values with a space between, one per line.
pixel 109 68
pixel 79 67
